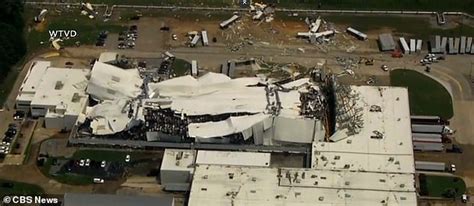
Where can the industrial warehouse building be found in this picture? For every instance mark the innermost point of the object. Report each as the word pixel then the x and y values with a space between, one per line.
pixel 57 94
pixel 78 199
pixel 372 167
pixel 365 159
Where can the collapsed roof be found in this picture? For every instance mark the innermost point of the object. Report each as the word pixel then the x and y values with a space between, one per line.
pixel 108 82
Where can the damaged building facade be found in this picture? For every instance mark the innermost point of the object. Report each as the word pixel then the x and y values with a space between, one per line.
pixel 133 111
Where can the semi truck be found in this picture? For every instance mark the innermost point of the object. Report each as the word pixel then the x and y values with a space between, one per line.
pixel 428 147
pixel 434 166
pixel 426 128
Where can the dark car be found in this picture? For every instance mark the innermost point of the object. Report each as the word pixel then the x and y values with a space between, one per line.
pixel 19 115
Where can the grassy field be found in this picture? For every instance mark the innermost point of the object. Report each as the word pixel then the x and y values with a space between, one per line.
pixel 87 30
pixel 427 96
pixel 438 186
pixel 419 5
pixel 6 86
pixel 167 2
pixel 417 27
pixel 181 66
pixel 99 155
pixel 431 5
pixel 8 187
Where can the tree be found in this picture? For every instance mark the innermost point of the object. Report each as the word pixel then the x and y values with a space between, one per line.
pixel 12 42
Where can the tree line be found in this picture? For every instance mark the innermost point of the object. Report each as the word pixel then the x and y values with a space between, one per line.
pixel 12 41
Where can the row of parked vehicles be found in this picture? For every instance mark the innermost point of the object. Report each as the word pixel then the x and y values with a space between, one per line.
pixel 103 164
pixel 127 39
pixel 8 138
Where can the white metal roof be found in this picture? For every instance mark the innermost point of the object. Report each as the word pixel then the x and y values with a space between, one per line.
pixel 338 161
pixel 393 122
pixel 207 157
pixel 110 116
pixel 218 94
pixel 108 57
pixel 178 160
pixel 62 89
pixel 224 185
pixel 226 127
pixel 32 80
pixel 109 82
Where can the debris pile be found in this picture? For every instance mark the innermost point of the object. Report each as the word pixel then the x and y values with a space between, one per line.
pixel 88 10
pixel 195 36
pixel 262 12
pixel 41 16
pixel 316 35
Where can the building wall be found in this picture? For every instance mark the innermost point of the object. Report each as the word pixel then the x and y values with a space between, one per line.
pixel 39 110
pixel 23 105
pixel 65 122
pixel 175 179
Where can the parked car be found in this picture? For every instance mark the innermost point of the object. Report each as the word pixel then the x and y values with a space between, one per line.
pixel 88 162
pixel 464 198
pixel 103 163
pixel 127 158
pixel 98 180
pixel 19 115
pixel 81 163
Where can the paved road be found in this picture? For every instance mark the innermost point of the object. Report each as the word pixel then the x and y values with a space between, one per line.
pixel 336 11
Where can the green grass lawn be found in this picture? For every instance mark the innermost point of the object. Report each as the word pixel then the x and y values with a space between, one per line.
pixel 8 187
pixel 109 155
pixel 167 2
pixel 65 178
pixel 437 186
pixel 6 86
pixel 423 5
pixel 181 67
pixel 427 96
pixel 87 30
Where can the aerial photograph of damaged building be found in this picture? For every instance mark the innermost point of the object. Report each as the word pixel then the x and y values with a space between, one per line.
pixel 237 102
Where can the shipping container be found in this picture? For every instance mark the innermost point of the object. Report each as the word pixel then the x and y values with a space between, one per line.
pixel 405 48
pixel 358 34
pixel 227 22
pixel 205 39
pixel 428 147
pixel 462 47
pixel 412 45
pixel 430 166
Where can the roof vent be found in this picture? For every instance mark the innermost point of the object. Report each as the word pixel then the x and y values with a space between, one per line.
pixel 115 79
pixel 59 85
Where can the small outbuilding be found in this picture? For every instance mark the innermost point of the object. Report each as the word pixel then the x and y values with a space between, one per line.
pixel 386 42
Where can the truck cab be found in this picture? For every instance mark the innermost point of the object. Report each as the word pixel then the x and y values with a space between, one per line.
pixel 452 168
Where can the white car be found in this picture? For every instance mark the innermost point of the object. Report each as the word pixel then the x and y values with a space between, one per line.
pixel 385 67
pixel 102 164
pixel 81 163
pixel 127 158
pixel 88 162
pixel 464 198
pixel 98 180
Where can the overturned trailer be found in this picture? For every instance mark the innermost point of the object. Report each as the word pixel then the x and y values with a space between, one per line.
pixel 205 39
pixel 229 21
pixel 195 40
pixel 359 35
